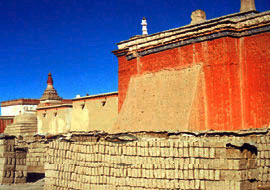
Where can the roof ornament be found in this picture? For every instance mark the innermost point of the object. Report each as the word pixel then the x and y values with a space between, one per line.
pixel 144 26
pixel 247 5
pixel 197 16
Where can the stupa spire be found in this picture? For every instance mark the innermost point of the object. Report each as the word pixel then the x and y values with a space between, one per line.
pixel 50 80
pixel 50 93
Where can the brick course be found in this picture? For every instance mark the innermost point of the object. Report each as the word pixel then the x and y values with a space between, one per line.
pixel 152 162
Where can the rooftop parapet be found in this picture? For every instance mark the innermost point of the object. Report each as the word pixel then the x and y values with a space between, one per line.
pixel 235 25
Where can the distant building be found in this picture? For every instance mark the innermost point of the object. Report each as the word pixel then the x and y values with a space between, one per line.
pixel 50 96
pixel 56 115
pixel 4 121
pixel 92 112
pixel 18 106
pixel 96 112
pixel 12 108
pixel 54 119
pixel 53 112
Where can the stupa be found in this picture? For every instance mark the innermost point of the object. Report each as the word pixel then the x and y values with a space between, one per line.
pixel 50 95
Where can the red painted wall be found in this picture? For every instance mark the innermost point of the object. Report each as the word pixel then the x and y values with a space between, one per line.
pixel 4 122
pixel 125 70
pixel 234 89
pixel 256 79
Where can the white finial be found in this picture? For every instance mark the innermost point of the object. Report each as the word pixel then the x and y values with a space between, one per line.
pixel 144 26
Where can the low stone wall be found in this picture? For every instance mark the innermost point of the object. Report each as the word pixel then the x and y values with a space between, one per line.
pixel 231 161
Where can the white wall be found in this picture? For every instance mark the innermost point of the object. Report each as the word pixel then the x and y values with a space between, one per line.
pixel 17 109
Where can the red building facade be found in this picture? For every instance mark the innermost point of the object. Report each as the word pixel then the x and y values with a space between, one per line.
pixel 233 87
pixel 4 121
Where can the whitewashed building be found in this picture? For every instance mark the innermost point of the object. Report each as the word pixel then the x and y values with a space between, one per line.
pixel 18 106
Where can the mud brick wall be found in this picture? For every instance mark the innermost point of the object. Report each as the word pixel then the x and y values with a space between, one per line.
pixel 36 153
pixel 36 157
pixel 7 160
pixel 263 160
pixel 12 161
pixel 155 162
pixel 18 157
pixel 20 166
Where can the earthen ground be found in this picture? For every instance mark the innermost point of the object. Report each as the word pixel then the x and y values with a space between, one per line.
pixel 39 185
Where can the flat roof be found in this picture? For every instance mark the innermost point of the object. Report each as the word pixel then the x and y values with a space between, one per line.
pixel 96 95
pixel 21 101
pixel 55 106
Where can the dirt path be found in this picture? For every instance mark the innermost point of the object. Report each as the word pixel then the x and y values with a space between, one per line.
pixel 39 185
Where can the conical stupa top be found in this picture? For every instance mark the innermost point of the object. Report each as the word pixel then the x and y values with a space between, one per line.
pixel 50 80
pixel 50 93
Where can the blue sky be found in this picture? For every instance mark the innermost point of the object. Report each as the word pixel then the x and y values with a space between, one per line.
pixel 73 39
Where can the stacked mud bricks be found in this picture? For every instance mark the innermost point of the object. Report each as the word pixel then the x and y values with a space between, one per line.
pixel 36 156
pixel 20 165
pixel 12 168
pixel 173 162
pixel 7 160
pixel 263 161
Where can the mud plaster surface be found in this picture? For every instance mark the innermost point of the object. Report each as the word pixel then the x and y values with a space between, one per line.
pixel 150 95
